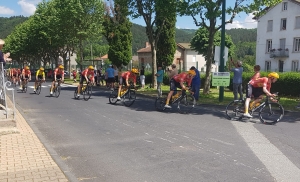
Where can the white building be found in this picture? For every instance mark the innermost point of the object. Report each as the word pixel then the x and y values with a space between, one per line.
pixel 278 37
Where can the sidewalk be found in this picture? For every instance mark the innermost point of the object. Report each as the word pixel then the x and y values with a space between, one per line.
pixel 23 157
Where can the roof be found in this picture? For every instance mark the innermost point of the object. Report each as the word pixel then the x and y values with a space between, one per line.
pixel 181 45
pixel 269 8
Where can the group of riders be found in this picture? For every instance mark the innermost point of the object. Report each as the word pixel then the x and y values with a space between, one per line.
pixel 256 87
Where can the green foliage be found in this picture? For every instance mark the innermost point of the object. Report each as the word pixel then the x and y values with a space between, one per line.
pixel 166 45
pixel 200 41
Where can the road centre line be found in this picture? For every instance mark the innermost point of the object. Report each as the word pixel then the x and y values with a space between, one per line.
pixel 279 166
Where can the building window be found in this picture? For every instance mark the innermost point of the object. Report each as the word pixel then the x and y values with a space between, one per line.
pixel 269 46
pixel 295 65
pixel 142 62
pixel 280 66
pixel 284 6
pixel 297 26
pixel 268 66
pixel 297 44
pixel 283 24
pixel 270 26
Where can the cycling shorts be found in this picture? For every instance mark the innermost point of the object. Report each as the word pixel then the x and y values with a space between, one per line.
pixel 174 85
pixel 57 77
pixel 255 91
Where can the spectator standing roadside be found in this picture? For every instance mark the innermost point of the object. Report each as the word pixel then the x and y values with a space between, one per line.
pixel 172 72
pixel 196 83
pixel 237 79
pixel 160 77
pixel 142 77
pixel 74 73
pixel 1 54
pixel 110 77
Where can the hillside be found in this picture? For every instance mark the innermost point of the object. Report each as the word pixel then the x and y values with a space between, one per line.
pixel 8 24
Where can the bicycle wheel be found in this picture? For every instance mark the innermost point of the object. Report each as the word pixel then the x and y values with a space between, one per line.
pixel 113 97
pixel 57 91
pixel 160 104
pixel 271 113
pixel 235 110
pixel 129 98
pixel 75 93
pixel 87 93
pixel 38 89
pixel 186 104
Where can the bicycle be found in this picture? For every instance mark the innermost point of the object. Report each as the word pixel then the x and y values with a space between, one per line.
pixel 185 102
pixel 269 112
pixel 39 87
pixel 86 91
pixel 127 95
pixel 57 88
pixel 24 86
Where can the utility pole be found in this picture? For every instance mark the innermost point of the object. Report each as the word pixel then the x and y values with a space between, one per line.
pixel 221 91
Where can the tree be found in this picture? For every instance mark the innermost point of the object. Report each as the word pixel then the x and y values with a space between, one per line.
pixel 118 34
pixel 147 10
pixel 209 11
pixel 166 45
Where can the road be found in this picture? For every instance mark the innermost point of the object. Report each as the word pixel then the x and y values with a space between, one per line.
pixel 96 141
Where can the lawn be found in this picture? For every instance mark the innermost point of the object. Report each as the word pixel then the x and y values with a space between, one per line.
pixel 289 103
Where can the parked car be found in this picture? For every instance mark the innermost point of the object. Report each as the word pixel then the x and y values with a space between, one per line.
pixel 48 73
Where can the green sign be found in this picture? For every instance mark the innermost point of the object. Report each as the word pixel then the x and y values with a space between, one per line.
pixel 220 79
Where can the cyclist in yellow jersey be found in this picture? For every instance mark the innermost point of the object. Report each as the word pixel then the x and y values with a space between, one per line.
pixel 40 74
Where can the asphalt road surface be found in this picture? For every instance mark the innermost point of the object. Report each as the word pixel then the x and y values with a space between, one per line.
pixel 95 141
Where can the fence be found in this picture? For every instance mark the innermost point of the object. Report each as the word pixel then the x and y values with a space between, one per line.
pixel 3 97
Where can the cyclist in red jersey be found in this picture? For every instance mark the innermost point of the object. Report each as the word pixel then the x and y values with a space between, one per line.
pixel 58 74
pixel 14 74
pixel 265 83
pixel 177 82
pixel 125 78
pixel 87 75
pixel 26 76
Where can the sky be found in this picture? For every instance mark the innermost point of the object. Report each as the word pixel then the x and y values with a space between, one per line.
pixel 26 8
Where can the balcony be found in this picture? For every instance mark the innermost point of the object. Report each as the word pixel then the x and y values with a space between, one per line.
pixel 279 53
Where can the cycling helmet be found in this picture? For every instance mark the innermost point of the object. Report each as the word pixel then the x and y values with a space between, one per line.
pixel 273 74
pixel 26 68
pixel 134 70
pixel 42 69
pixel 192 72
pixel 91 67
pixel 61 67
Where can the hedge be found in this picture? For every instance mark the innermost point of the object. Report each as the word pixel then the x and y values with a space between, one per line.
pixel 288 83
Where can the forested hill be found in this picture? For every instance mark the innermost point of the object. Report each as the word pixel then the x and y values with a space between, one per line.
pixel 139 32
pixel 8 24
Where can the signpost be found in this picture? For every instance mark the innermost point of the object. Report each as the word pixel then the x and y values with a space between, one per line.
pixel 221 79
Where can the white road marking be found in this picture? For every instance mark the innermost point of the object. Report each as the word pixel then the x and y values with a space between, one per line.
pixel 280 167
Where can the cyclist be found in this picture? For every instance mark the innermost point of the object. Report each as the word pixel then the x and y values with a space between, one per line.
pixel 26 76
pixel 88 75
pixel 253 88
pixel 19 75
pixel 125 78
pixel 58 74
pixel 177 82
pixel 40 74
pixel 13 74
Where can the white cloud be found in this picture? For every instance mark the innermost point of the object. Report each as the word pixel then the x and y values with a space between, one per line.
pixel 28 6
pixel 6 11
pixel 248 23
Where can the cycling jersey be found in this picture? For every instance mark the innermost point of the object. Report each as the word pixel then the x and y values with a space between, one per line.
pixel 183 77
pixel 261 82
pixel 26 72
pixel 88 73
pixel 14 72
pixel 58 72
pixel 128 75
pixel 40 73
pixel 19 72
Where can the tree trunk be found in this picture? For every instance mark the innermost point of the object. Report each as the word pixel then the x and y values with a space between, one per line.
pixel 210 55
pixel 154 67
